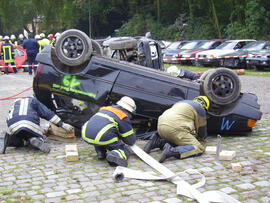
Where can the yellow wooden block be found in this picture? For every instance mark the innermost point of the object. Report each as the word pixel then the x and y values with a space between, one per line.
pixel 60 132
pixel 72 153
pixel 210 150
pixel 236 167
pixel 227 155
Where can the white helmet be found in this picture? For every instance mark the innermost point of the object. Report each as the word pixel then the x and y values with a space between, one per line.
pixel 37 37
pixel 127 103
pixel 42 35
pixel 57 34
pixel 174 71
pixel 21 36
pixel 12 37
pixel 6 37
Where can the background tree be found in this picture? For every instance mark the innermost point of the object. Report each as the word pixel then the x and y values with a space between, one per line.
pixel 166 19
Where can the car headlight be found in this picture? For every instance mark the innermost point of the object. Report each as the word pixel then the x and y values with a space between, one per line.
pixel 186 55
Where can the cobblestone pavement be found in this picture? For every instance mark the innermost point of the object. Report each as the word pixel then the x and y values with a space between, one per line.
pixel 27 175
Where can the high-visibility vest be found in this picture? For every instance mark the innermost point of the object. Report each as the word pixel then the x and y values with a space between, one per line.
pixel 7 53
pixel 14 43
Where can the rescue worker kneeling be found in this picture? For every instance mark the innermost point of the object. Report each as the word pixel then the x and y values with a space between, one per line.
pixel 23 124
pixel 109 129
pixel 178 128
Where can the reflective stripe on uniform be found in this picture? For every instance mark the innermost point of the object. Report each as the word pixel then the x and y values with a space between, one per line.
pixel 8 48
pixel 127 133
pixel 10 115
pixel 99 135
pixel 23 106
pixel 121 153
pixel 55 119
pixel 109 118
pixel 25 124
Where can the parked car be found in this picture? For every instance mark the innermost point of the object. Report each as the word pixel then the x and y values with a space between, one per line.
pixel 76 92
pixel 237 59
pixel 259 60
pixel 174 55
pixel 20 57
pixel 191 53
pixel 213 57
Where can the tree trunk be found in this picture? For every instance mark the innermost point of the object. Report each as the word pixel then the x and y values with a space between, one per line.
pixel 212 5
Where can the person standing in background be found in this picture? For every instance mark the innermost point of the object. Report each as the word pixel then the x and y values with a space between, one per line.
pixel 32 48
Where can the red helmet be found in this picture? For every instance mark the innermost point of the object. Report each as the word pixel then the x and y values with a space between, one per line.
pixel 51 36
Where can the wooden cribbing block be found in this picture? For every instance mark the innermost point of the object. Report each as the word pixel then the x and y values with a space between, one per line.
pixel 236 167
pixel 210 150
pixel 72 153
pixel 60 132
pixel 227 155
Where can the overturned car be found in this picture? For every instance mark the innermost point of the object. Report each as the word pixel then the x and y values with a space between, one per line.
pixel 75 82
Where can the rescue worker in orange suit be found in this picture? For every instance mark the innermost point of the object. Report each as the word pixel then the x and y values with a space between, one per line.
pixel 178 129
pixel 23 124
pixel 8 55
pixel 110 129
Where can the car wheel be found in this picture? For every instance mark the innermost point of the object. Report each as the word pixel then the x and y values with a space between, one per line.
pixel 73 47
pixel 259 67
pixel 96 48
pixel 203 76
pixel 222 86
pixel 123 44
pixel 196 63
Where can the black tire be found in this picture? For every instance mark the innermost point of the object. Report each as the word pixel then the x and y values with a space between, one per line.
pixel 97 48
pixel 249 66
pixel 73 47
pixel 203 76
pixel 260 68
pixel 123 44
pixel 196 63
pixel 222 86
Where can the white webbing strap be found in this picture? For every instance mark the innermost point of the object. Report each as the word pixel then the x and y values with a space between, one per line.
pixel 183 187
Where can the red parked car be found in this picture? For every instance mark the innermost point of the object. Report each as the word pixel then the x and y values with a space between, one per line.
pixel 20 57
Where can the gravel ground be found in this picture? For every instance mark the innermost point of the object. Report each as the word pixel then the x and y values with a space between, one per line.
pixel 28 175
pixel 259 86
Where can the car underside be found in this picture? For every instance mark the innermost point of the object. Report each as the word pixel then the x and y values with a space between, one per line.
pixel 76 92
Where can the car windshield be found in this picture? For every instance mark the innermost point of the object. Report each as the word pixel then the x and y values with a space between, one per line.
pixel 191 45
pixel 18 52
pixel 254 46
pixel 173 45
pixel 227 45
pixel 205 45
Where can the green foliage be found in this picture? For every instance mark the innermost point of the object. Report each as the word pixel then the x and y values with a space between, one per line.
pixel 165 19
pixel 257 20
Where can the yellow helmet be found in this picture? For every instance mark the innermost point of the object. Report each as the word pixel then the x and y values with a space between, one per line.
pixel 203 100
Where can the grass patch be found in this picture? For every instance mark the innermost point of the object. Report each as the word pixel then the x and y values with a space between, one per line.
pixel 6 191
pixel 252 72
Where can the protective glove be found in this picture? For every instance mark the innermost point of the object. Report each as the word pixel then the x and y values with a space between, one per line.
pixel 67 127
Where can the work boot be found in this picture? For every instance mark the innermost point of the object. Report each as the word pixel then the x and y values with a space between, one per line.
pixel 154 142
pixel 4 138
pixel 114 159
pixel 101 153
pixel 39 143
pixel 168 152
